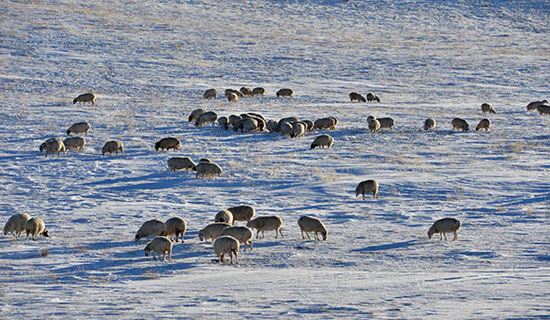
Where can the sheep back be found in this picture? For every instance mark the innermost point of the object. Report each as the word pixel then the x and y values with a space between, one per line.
pixel 79 127
pixel 35 227
pixel 167 144
pixel 181 163
pixel 212 230
pixel 208 170
pixel 153 227
pixel 367 186
pixel 322 141
pixel 112 146
pixel 160 245
pixel 311 224
pixel 16 224
pixel 241 233
pixel 226 245
pixel 175 226
pixel 445 225
pixel 224 216
pixel 242 212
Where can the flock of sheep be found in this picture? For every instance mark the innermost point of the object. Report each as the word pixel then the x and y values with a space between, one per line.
pixel 227 237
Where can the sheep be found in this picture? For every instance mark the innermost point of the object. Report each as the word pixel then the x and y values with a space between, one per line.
pixel 175 226
pixel 284 93
pixel 386 123
pixel 52 146
pixel 534 105
pixel 309 124
pixel 298 129
pixel 322 141
pixel 261 123
pixel 485 107
pixel 112 146
pixel 79 127
pixel 483 124
pixel 233 119
pixel 205 160
pixel 153 227
pixel 258 91
pixel 443 226
pixel 246 125
pixel 242 212
pixel 227 245
pixel 167 143
pixel 354 96
pixel 195 114
pixel 287 119
pixel 210 94
pixel 231 96
pixel 206 170
pixel 160 245
pixel 16 224
pixel 311 224
pixel 373 123
pixel 85 97
pixel 266 223
pixel 246 91
pixel 286 129
pixel 367 186
pixel 543 109
pixel 236 92
pixel 212 231
pixel 243 234
pixel 272 126
pixel 429 124
pixel 223 122
pixel 181 163
pixel 35 227
pixel 76 143
pixel 372 97
pixel 224 216
pixel 207 117
pixel 460 124
pixel 325 123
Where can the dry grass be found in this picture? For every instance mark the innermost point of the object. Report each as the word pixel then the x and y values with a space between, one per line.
pixel 45 252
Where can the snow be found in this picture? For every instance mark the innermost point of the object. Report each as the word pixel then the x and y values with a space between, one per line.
pixel 149 63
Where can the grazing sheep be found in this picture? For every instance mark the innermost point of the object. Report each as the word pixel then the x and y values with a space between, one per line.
pixel 429 124
pixel 367 186
pixel 483 124
pixel 227 245
pixel 35 227
pixel 112 146
pixel 160 245
pixel 372 97
pixel 233 119
pixel 246 91
pixel 354 96
pixel 284 93
pixel 207 117
pixel 311 224
pixel 224 216
pixel 485 107
pixel 210 94
pixel 167 143
pixel 79 127
pixel 85 97
pixel 243 234
pixel 16 224
pixel 266 223
pixel 175 226
pixel 325 123
pixel 153 227
pixel 298 129
pixel 247 125
pixel 212 231
pixel 242 212
pixel 460 124
pixel 534 105
pixel 181 163
pixel 237 92
pixel 543 109
pixel 195 114
pixel 286 129
pixel 76 143
pixel 287 119
pixel 52 146
pixel 208 170
pixel 386 123
pixel 444 226
pixel 258 91
pixel 373 123
pixel 309 124
pixel 272 126
pixel 322 141
pixel 223 122
pixel 233 97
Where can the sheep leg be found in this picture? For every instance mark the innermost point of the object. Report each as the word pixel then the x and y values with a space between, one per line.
pixel 363 196
pixel 316 236
pixel 221 257
pixel 236 256
pixel 445 235
pixel 258 234
pixel 280 233
pixel 250 245
pixel 440 236
pixel 456 236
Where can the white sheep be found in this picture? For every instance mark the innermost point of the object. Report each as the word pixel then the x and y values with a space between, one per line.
pixel 309 124
pixel 443 226
pixel 325 123
pixel 372 97
pixel 460 124
pixel 181 163
pixel 195 114
pixel 160 245
pixel 233 97
pixel 286 129
pixel 322 141
pixel 234 119
pixel 224 216
pixel 311 224
pixel 429 124
pixel 207 117
pixel 223 122
pixel 236 92
pixel 16 224
pixel 175 226
pixel 386 123
pixel 168 143
pixel 153 227
pixel 272 126
pixel 534 105
pixel 246 91
pixel 76 143
pixel 241 233
pixel 367 186
pixel 212 231
pixel 259 91
pixel 298 129
pixel 52 146
pixel 79 127
pixel 112 146
pixel 248 125
pixel 284 93
pixel 266 223
pixel 287 119
pixel 373 123
pixel 227 245
pixel 242 212
pixel 354 96
pixel 36 227
pixel 210 94
pixel 85 97
pixel 485 107
pixel 208 170
pixel 483 124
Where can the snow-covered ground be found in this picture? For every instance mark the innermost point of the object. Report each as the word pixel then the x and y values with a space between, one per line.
pixel 149 63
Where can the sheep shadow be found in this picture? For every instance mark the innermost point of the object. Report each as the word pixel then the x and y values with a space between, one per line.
pixel 388 246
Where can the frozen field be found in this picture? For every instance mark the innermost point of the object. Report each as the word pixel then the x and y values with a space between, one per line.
pixel 149 63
